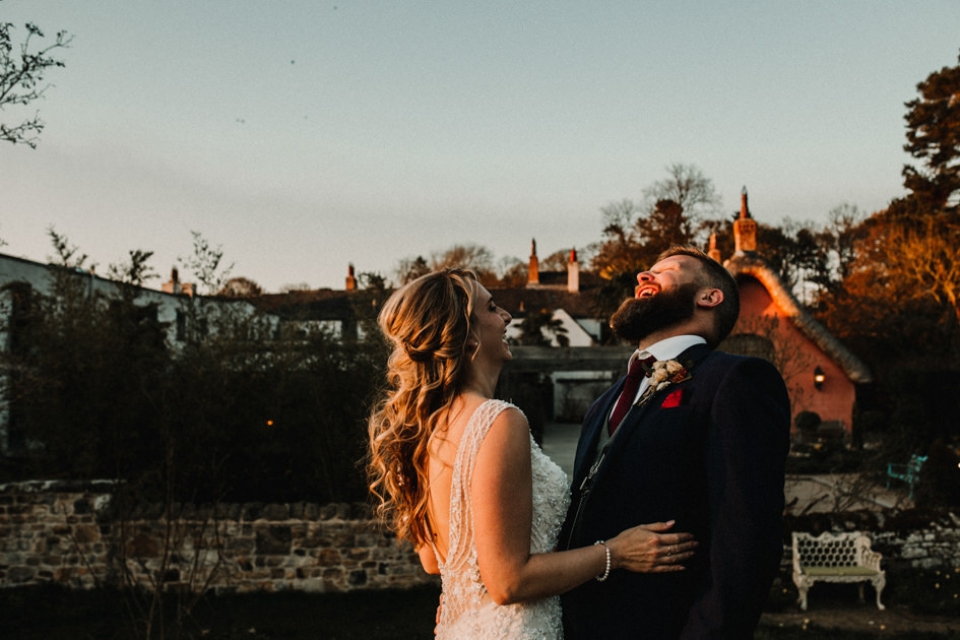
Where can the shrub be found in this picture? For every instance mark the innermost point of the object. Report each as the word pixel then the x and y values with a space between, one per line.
pixel 232 412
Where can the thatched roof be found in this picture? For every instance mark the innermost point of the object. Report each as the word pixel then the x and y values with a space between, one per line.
pixel 750 264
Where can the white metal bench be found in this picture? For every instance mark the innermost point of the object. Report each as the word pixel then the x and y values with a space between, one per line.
pixel 835 557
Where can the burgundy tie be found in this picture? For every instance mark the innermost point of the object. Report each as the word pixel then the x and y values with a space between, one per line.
pixel 638 369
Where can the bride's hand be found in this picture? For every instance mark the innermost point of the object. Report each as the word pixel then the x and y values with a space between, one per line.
pixel 651 548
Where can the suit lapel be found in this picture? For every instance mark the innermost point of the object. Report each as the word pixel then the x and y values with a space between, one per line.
pixel 691 358
pixel 695 355
pixel 590 434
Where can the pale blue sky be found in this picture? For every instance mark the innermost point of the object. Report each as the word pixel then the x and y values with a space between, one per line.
pixel 302 135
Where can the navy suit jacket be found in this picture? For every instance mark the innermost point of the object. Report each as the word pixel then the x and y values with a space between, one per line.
pixel 713 460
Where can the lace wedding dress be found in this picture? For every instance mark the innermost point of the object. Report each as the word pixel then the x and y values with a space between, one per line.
pixel 468 611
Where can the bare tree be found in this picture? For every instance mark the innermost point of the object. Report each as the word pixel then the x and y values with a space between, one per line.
pixel 22 79
pixel 619 216
pixel 841 232
pixel 688 187
pixel 205 264
pixel 512 272
pixel 675 211
pixel 556 261
pixel 467 256
pixel 619 252
pixel 411 268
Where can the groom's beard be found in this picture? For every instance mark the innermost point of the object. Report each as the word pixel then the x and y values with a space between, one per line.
pixel 637 318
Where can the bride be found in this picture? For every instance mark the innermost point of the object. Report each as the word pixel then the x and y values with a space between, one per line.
pixel 458 474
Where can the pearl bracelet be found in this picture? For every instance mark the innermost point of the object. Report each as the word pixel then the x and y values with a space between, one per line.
pixel 606 571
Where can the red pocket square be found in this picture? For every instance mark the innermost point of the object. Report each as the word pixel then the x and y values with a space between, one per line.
pixel 673 399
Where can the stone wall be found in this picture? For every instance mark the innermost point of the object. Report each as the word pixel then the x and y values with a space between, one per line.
pixel 70 534
pixel 67 533
pixel 909 539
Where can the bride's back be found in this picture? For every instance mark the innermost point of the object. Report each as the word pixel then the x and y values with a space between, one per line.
pixel 442 448
pixel 472 471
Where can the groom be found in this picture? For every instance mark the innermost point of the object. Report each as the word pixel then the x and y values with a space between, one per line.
pixel 702 441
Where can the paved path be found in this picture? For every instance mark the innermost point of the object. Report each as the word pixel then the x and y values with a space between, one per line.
pixel 560 443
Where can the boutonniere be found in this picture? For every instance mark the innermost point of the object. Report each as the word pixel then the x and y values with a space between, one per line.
pixel 663 374
pixel 667 372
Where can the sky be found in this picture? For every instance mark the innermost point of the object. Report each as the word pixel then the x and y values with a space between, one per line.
pixel 302 136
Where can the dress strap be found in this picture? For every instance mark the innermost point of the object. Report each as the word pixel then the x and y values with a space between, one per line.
pixel 461 507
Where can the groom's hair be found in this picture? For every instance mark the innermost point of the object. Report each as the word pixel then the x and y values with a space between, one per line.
pixel 714 275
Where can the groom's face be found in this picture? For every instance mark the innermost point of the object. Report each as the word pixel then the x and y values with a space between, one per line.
pixel 665 297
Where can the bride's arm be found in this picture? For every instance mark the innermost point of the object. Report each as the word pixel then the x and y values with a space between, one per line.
pixel 502 497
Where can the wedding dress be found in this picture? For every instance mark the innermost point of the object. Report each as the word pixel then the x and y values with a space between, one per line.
pixel 468 612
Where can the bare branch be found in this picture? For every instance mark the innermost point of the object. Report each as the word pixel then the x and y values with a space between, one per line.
pixel 22 79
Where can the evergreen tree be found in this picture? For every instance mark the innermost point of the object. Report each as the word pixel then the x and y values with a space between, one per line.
pixel 933 137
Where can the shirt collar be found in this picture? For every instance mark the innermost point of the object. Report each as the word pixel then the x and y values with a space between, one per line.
pixel 670 348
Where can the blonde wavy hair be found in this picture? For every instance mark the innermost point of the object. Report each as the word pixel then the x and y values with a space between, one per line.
pixel 429 322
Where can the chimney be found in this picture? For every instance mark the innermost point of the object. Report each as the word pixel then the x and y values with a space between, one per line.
pixel 176 287
pixel 745 228
pixel 573 273
pixel 173 285
pixel 533 273
pixel 713 252
pixel 351 279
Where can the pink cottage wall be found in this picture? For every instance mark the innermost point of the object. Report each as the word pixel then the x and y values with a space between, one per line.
pixel 797 357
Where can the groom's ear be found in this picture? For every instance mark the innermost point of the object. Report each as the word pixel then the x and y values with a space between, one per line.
pixel 709 298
